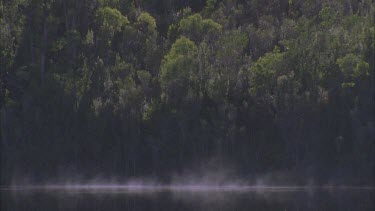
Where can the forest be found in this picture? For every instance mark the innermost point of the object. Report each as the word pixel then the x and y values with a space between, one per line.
pixel 150 88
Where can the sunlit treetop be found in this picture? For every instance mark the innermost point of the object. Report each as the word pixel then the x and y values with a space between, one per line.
pixel 178 64
pixel 146 22
pixel 110 20
pixel 195 27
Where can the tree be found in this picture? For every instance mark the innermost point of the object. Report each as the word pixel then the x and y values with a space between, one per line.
pixel 109 22
pixel 196 28
pixel 264 72
pixel 146 22
pixel 228 61
pixel 178 70
pixel 353 68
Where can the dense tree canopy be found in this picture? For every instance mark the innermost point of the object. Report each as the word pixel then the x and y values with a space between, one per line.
pixel 135 88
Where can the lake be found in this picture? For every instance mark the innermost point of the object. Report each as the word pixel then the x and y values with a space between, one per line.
pixel 188 199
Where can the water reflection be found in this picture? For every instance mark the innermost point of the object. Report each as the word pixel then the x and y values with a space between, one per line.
pixel 42 200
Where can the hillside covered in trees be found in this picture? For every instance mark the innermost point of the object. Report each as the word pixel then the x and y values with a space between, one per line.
pixel 122 88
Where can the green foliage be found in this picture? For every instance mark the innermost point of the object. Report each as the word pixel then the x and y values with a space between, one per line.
pixel 210 27
pixel 110 20
pixel 59 45
pixel 350 21
pixel 178 67
pixel 232 44
pixel 144 77
pixel 146 21
pixel 12 23
pixel 195 27
pixel 129 94
pixel 121 68
pixel 173 31
pixel 89 39
pixel 109 3
pixel 353 68
pixel 264 72
pixel 327 16
pixel 267 84
pixel 210 5
pixel 150 110
pixel 186 12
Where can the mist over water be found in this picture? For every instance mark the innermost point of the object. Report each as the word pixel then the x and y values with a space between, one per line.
pixel 184 197
pixel 210 185
pixel 207 177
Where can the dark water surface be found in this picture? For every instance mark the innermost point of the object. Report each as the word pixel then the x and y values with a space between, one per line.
pixel 188 200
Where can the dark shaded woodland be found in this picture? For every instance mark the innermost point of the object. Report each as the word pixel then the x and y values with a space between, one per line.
pixel 121 88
